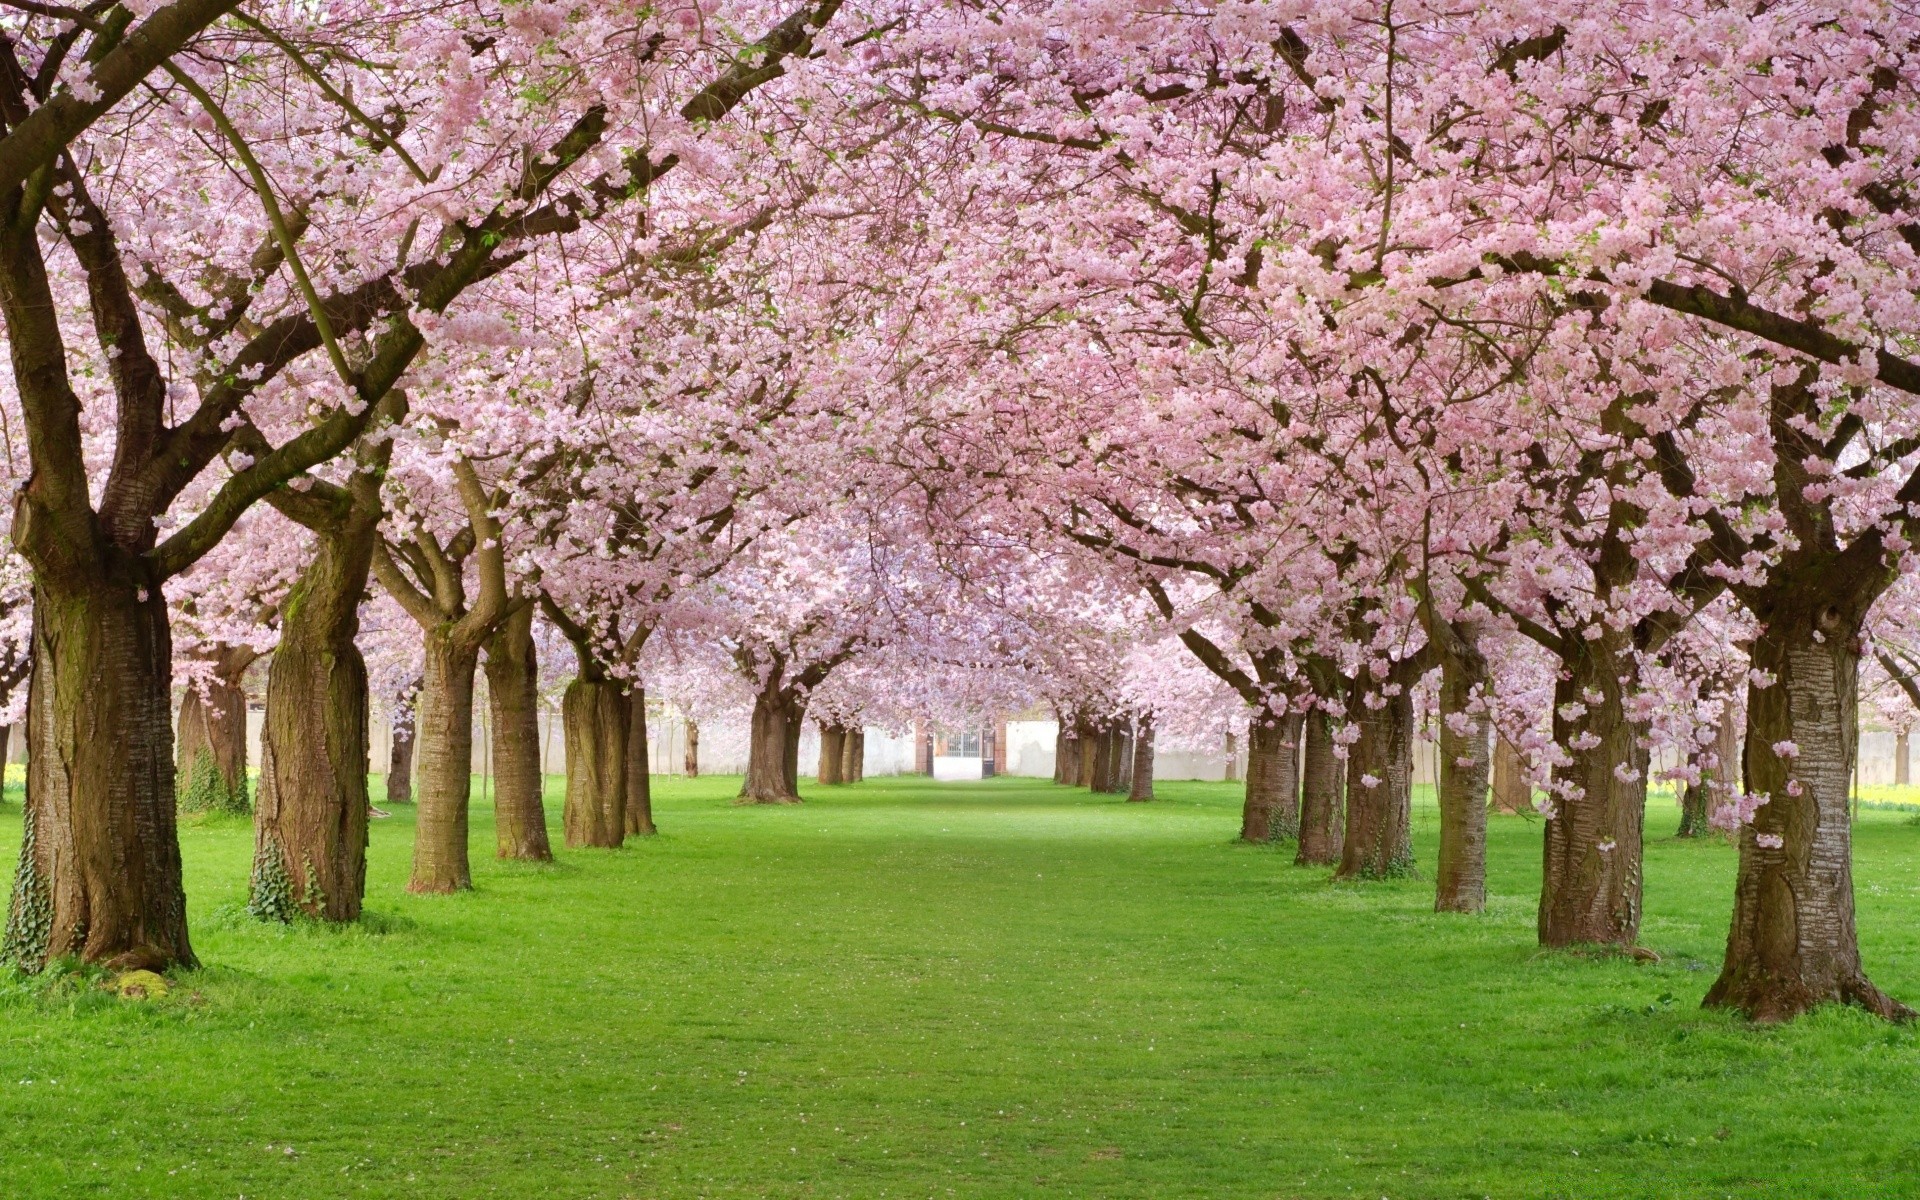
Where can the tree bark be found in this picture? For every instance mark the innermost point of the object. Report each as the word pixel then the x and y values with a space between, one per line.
pixel 594 714
pixel 853 762
pixel 1141 788
pixel 833 750
pixel 1460 872
pixel 1512 793
pixel 1232 773
pixel 1067 761
pixel 310 830
pixel 1270 811
pixel 693 750
pixel 1088 752
pixel 1322 805
pixel 513 698
pixel 1793 945
pixel 1901 758
pixel 1059 750
pixel 444 733
pixel 1590 887
pixel 1379 837
pixel 773 749
pixel 1720 780
pixel 99 873
pixel 1120 778
pixel 639 767
pixel 1099 767
pixel 400 762
pixel 211 759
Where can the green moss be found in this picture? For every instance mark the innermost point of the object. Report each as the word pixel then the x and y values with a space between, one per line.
pixel 205 789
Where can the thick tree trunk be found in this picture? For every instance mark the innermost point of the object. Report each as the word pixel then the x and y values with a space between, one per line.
pixel 513 697
pixel 1460 872
pixel 1696 806
pixel 1100 773
pixel 211 759
pixel 1512 793
pixel 400 762
pixel 1379 839
pixel 1060 752
pixel 1141 787
pixel 1322 806
pixel 444 740
pixel 1066 767
pixel 1271 809
pixel 693 750
pixel 639 767
pixel 1590 888
pixel 853 755
pixel 1901 758
pixel 833 751
pixel 773 750
pixel 99 872
pixel 310 829
pixel 594 713
pixel 1792 945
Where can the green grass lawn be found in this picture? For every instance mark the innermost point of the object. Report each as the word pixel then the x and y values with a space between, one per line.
pixel 908 989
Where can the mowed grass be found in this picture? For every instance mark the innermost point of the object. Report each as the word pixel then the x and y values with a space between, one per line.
pixel 906 989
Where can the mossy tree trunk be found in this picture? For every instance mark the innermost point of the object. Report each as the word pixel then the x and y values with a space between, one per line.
pixel 99 873
pixel 1379 835
pixel 1322 804
pixel 211 754
pixel 1270 811
pixel 513 698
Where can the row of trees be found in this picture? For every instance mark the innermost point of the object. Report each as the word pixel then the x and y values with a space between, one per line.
pixel 1549 370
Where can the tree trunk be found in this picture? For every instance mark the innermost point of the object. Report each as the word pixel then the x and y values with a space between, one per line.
pixel 833 751
pixel 1141 787
pixel 1379 839
pixel 853 755
pixel 310 830
pixel 1120 778
pixel 1059 751
pixel 1590 887
pixel 594 713
pixel 1271 809
pixel 1900 758
pixel 1088 754
pixel 693 750
pixel 400 762
pixel 444 733
pixel 1322 807
pixel 1720 780
pixel 1460 872
pixel 1512 793
pixel 513 696
pixel 1066 766
pixel 1792 945
pixel 211 761
pixel 773 749
pixel 639 767
pixel 1232 773
pixel 99 872
pixel 1099 769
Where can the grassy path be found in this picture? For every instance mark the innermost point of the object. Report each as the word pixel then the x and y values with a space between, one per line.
pixel 917 990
